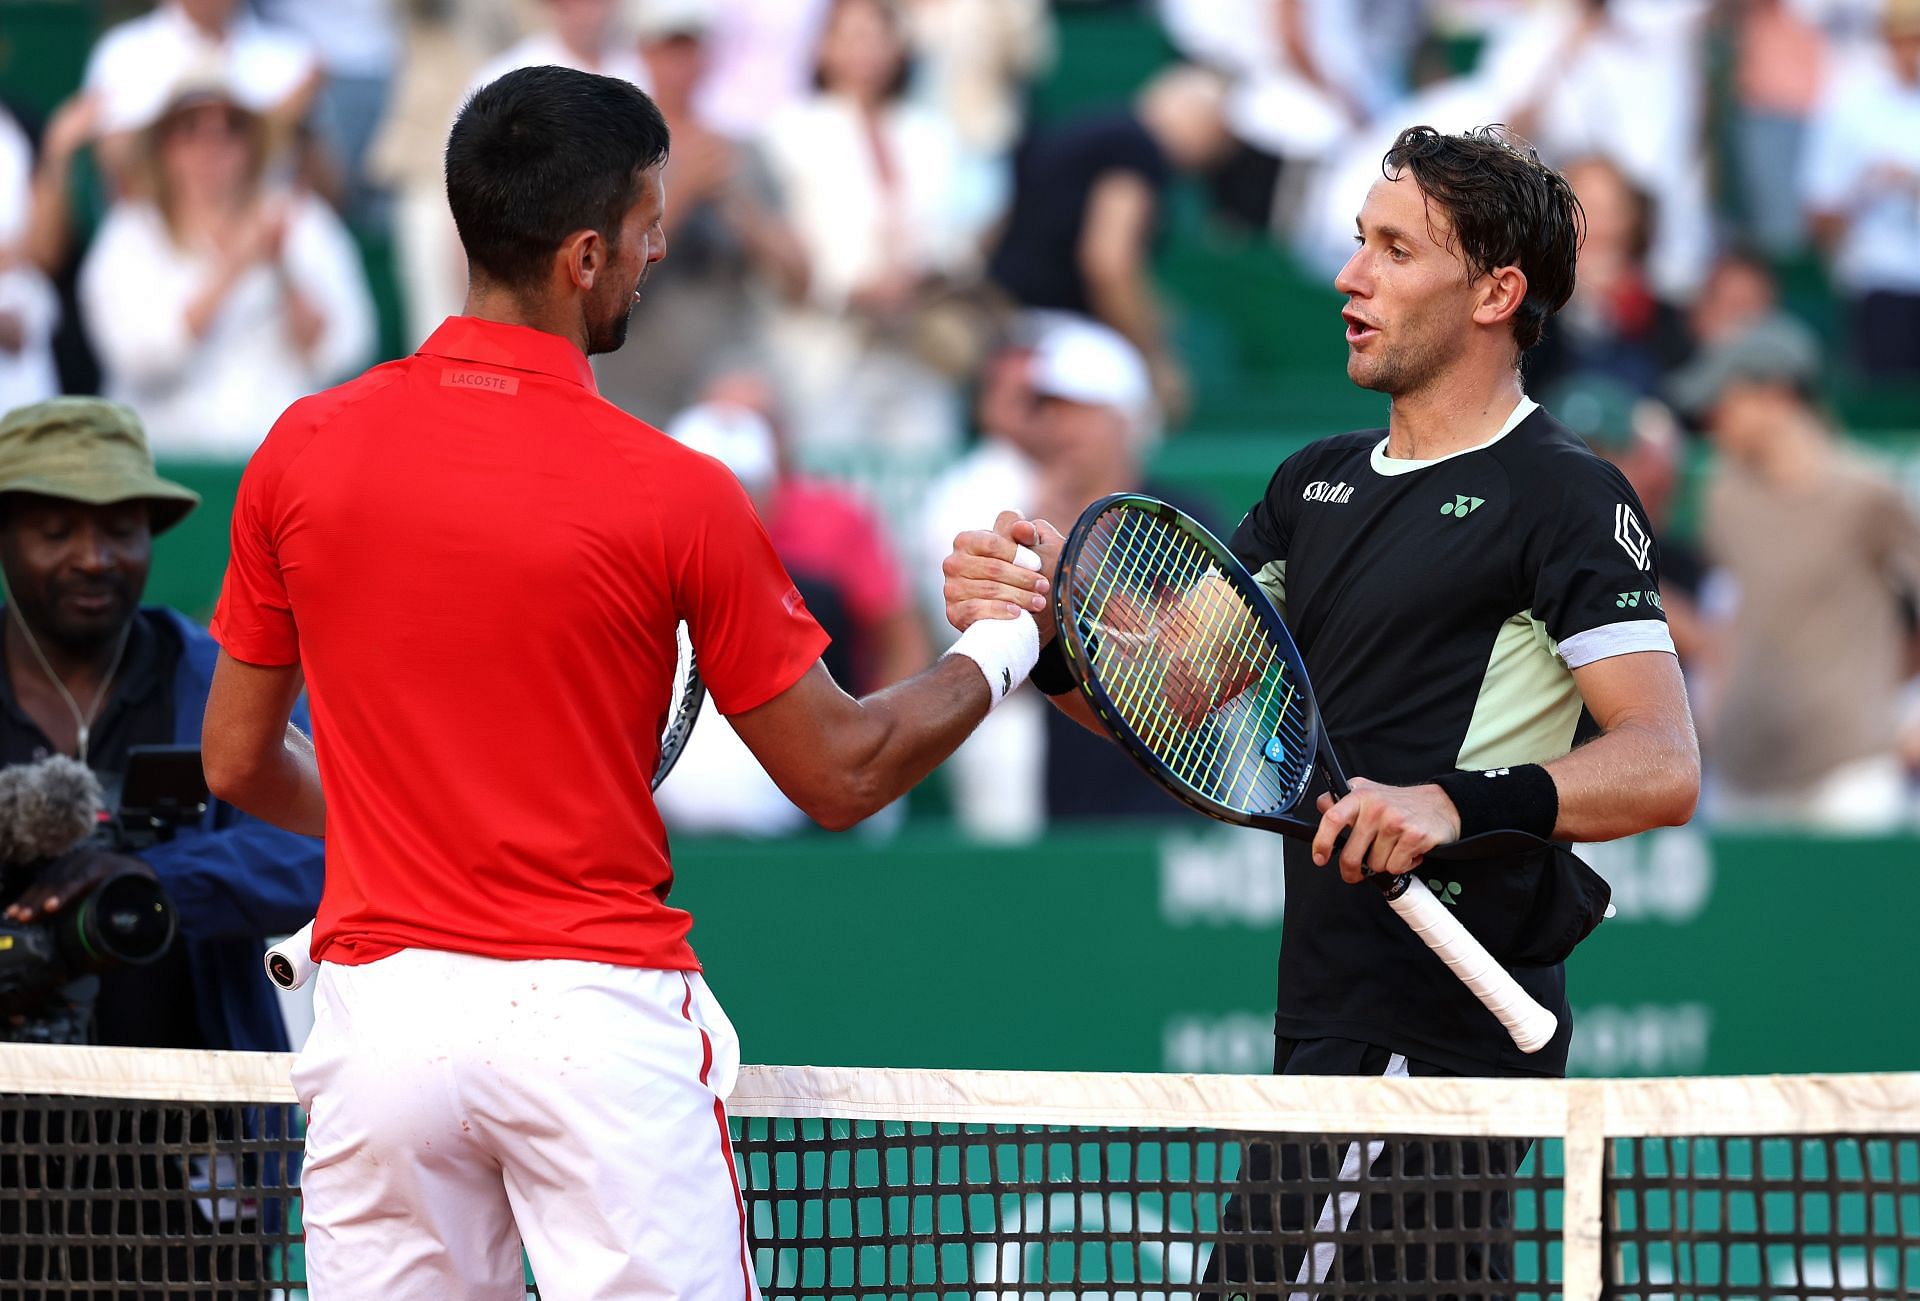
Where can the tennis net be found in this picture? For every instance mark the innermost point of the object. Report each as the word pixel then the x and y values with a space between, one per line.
pixel 174 1174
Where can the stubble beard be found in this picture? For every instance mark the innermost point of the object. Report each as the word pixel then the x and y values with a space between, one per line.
pixel 1398 370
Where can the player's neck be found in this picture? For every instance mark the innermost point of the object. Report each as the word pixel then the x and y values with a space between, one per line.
pixel 1451 414
pixel 503 307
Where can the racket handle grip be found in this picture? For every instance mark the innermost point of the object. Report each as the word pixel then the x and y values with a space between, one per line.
pixel 290 963
pixel 1531 1025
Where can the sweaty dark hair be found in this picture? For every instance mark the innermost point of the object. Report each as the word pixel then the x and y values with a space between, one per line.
pixel 540 154
pixel 1507 209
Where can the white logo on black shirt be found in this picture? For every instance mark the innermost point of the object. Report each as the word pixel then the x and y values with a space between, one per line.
pixel 1632 537
pixel 1334 494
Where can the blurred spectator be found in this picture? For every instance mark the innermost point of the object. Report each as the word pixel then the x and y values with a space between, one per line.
pixel 1780 70
pixel 761 61
pixel 1087 209
pixel 1640 435
pixel 1305 74
pixel 29 310
pixel 585 35
pixel 1622 80
pixel 446 42
pixel 136 65
pixel 1062 422
pixel 702 306
pixel 846 569
pixel 358 43
pixel 218 301
pixel 1613 325
pixel 1862 189
pixel 1823 558
pixel 973 62
pixel 1738 291
pixel 872 188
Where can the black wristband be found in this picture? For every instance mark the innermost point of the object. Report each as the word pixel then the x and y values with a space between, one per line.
pixel 1050 670
pixel 1520 798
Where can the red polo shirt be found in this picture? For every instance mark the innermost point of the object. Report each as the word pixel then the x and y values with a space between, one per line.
pixel 479 564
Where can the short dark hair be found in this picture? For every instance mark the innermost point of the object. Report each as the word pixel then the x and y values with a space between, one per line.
pixel 1507 209
pixel 542 153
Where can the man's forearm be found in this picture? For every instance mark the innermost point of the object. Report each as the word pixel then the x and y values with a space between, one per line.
pixel 1635 777
pixel 902 733
pixel 1123 298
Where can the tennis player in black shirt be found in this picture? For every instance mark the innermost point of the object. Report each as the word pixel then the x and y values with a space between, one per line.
pixel 1476 597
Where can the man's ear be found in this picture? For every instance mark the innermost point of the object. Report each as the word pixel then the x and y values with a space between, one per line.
pixel 584 255
pixel 1501 291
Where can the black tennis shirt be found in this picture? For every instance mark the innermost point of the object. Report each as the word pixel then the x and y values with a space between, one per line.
pixel 1441 607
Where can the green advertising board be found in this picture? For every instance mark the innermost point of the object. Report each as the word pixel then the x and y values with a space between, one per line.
pixel 1153 949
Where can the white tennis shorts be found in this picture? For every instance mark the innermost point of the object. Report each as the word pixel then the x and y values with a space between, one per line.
pixel 459 1106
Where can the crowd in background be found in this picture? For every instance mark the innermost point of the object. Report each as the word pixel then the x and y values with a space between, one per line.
pixel 881 263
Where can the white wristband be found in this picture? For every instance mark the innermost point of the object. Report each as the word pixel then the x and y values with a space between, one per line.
pixel 1004 649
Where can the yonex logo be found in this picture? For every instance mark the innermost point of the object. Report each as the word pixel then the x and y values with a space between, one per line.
pixel 1632 537
pixel 1334 494
pixel 1462 505
pixel 1448 892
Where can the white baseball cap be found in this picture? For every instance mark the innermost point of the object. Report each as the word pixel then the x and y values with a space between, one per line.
pixel 738 437
pixel 1082 361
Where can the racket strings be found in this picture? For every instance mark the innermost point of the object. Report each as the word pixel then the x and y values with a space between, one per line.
pixel 1188 664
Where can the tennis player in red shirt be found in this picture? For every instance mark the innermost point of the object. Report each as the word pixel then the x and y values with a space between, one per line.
pixel 476 566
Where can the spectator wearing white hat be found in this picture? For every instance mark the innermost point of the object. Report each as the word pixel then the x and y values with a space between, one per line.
pixel 136 66
pixel 220 299
pixel 1064 419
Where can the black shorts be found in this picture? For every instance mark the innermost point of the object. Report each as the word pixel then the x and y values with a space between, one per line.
pixel 1292 1187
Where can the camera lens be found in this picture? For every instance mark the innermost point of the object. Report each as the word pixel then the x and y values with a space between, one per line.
pixel 127 919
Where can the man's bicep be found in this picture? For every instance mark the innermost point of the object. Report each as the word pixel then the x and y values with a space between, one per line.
pixel 1642 687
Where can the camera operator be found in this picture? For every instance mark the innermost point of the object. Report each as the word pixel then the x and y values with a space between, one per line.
pixel 89 673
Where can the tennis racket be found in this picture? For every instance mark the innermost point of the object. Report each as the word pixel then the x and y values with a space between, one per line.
pixel 1185 661
pixel 290 963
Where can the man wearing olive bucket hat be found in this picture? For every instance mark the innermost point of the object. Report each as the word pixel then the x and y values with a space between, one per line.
pixel 89 673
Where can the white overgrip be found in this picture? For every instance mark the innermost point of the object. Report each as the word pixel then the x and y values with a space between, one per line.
pixel 1530 1024
pixel 290 963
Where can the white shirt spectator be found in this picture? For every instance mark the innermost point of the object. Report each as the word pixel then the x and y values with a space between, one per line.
pixel 759 61
pixel 27 374
pixel 852 227
pixel 1870 121
pixel 217 396
pixel 354 38
pixel 136 65
pixel 1632 94
pixel 620 59
pixel 848 386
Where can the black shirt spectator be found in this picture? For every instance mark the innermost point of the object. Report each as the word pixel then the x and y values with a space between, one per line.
pixel 1055 170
